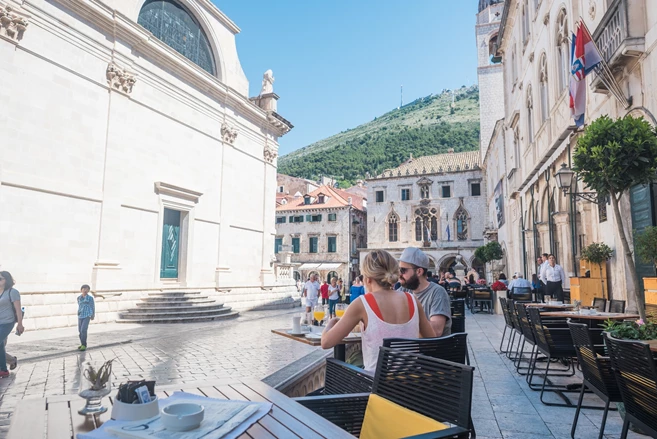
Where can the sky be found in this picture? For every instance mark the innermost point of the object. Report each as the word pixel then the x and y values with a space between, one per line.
pixel 340 63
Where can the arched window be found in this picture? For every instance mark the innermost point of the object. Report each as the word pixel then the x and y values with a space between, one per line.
pixel 543 75
pixel 174 26
pixel 426 224
pixel 525 23
pixel 492 50
pixel 530 115
pixel 461 217
pixel 563 53
pixel 393 227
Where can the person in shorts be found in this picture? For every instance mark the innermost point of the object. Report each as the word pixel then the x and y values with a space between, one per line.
pixel 311 293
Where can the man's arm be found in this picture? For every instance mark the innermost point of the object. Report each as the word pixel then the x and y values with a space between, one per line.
pixel 438 322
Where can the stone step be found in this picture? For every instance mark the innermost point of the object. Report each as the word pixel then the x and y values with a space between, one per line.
pixel 177 309
pixel 286 303
pixel 166 303
pixel 170 302
pixel 134 314
pixel 175 294
pixel 178 318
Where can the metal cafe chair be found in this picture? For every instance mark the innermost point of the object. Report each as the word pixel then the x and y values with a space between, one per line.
pixel 453 347
pixel 458 315
pixel 521 294
pixel 636 374
pixel 508 325
pixel 597 373
pixel 600 304
pixel 617 306
pixel 438 389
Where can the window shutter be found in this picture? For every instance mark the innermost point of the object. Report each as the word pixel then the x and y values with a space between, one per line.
pixel 291 218
pixel 309 217
pixel 320 217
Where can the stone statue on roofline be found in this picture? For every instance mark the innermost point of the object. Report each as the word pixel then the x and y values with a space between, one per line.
pixel 267 83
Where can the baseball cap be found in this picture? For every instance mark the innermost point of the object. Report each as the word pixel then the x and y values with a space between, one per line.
pixel 415 256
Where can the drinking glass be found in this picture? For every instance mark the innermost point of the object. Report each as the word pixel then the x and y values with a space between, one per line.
pixel 339 309
pixel 318 313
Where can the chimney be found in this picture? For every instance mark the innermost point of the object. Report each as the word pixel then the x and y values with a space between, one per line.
pixel 349 200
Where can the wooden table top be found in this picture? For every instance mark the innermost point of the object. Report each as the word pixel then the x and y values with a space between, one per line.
pixel 311 342
pixel 596 316
pixel 653 344
pixel 58 416
pixel 547 306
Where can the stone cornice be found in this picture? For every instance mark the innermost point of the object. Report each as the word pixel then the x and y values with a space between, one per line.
pixel 121 27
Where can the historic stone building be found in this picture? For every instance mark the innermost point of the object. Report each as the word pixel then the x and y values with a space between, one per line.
pixel 536 134
pixel 437 203
pixel 322 230
pixel 127 127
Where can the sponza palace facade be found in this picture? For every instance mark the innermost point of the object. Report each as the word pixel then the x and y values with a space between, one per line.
pixel 127 127
pixel 435 202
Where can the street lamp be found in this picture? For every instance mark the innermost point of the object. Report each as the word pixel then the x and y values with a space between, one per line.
pixel 565 179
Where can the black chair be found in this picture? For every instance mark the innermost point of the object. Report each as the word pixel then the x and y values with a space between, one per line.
pixel 435 388
pixel 452 348
pixel 555 343
pixel 597 372
pixel 458 315
pixel 636 374
pixel 617 306
pixel 482 297
pixel 600 304
pixel 341 377
pixel 508 325
pixel 517 329
pixel 520 294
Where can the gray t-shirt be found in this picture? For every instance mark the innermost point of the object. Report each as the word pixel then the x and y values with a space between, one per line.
pixel 435 301
pixel 6 305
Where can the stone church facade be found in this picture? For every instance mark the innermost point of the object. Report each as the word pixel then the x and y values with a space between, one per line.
pixel 127 127
pixel 436 203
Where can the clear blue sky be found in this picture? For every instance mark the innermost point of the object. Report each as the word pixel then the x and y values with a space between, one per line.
pixel 340 63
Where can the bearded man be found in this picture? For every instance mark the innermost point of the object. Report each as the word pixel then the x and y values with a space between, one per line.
pixel 413 266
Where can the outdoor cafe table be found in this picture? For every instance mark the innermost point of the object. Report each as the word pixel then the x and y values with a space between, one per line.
pixel 563 306
pixel 339 351
pixel 56 417
pixel 602 316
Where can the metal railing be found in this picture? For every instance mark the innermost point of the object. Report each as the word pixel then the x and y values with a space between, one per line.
pixel 612 30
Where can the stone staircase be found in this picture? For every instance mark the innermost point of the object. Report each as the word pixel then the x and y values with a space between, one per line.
pixel 176 307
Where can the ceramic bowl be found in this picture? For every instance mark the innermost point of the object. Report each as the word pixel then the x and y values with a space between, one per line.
pixel 183 416
pixel 134 412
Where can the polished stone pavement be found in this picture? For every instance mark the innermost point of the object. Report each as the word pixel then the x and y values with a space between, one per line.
pixel 503 405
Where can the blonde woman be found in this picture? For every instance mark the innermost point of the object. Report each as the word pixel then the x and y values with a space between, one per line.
pixel 382 312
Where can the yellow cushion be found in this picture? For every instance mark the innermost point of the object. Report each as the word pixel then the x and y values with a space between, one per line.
pixel 387 420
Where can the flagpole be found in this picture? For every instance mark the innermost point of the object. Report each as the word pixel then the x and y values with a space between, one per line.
pixel 605 74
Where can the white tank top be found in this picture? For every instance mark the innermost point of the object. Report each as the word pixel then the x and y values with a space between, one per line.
pixel 372 337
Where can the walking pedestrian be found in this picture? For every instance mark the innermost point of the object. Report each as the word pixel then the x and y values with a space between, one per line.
pixel 333 296
pixel 553 278
pixel 357 288
pixel 324 290
pixel 311 293
pixel 10 315
pixel 341 291
pixel 86 312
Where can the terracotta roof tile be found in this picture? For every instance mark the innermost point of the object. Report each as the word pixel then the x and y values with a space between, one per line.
pixel 433 164
pixel 335 198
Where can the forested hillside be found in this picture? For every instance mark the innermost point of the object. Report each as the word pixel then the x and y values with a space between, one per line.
pixel 426 126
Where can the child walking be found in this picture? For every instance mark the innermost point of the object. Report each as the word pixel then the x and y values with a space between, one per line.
pixel 86 312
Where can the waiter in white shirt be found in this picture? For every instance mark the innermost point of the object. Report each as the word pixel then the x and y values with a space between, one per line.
pixel 553 276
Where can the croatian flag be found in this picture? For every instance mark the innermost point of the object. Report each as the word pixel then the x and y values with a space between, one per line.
pixel 584 56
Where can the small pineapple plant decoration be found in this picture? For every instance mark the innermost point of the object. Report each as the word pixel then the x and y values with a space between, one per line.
pixel 100 385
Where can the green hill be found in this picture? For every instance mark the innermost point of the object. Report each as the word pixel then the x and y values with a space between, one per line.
pixel 426 126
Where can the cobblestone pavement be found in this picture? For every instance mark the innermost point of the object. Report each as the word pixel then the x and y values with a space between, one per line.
pixel 242 347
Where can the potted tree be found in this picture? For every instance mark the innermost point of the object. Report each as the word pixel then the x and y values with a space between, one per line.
pixel 489 252
pixel 645 245
pixel 598 253
pixel 611 157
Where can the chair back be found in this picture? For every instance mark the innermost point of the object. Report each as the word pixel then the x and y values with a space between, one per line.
pixel 458 315
pixel 513 314
pixel 525 324
pixel 617 306
pixel 523 294
pixel 341 378
pixel 439 389
pixel 552 340
pixel 505 312
pixel 595 369
pixel 636 374
pixel 451 348
pixel 600 304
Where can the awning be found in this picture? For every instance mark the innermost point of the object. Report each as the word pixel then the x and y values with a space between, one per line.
pixel 308 266
pixel 328 266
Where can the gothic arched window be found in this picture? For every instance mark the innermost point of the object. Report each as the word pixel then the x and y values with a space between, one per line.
pixel 461 217
pixel 426 224
pixel 563 54
pixel 174 26
pixel 543 75
pixel 393 227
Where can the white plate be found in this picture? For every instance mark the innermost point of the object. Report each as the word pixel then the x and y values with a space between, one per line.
pixel 291 332
pixel 314 336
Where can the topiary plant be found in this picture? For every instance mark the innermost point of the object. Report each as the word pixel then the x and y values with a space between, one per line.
pixel 598 253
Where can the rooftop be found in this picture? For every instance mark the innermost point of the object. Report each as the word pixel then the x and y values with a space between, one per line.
pixel 435 164
pixel 333 198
